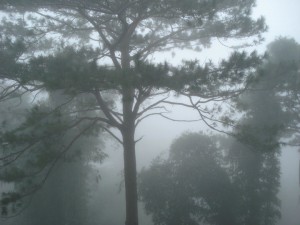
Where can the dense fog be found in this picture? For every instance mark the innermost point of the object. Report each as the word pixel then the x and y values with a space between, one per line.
pixel 142 112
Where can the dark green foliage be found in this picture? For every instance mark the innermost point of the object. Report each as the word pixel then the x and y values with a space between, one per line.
pixel 274 104
pixel 212 180
pixel 10 198
pixel 63 199
pixel 284 65
pixel 43 138
pixel 68 71
pixel 284 50
pixel 10 68
pixel 256 177
pixel 71 70
pixel 144 27
pixel 191 186
pixel 9 55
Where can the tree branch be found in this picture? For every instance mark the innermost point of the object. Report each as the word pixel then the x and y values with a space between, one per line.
pixel 106 110
pixel 151 106
pixel 113 135
pixel 104 39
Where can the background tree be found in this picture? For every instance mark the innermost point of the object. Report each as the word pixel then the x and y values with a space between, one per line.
pixel 64 199
pixel 127 32
pixel 212 180
pixel 192 185
pixel 273 117
pixel 66 195
pixel 268 120
pixel 50 149
pixel 250 162
pixel 273 121
pixel 283 65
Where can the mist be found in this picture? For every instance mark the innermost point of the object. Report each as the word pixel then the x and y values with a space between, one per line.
pixel 149 113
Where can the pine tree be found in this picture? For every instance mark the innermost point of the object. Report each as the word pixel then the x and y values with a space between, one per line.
pixel 127 33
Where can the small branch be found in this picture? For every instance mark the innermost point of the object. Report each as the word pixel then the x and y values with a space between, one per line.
pixel 136 141
pixel 180 120
pixel 103 37
pixel 143 95
pixel 146 116
pixel 159 93
pixel 151 106
pixel 106 110
pixel 7 91
pixel 178 104
pixel 16 155
pixel 118 115
pixel 113 135
pixel 156 43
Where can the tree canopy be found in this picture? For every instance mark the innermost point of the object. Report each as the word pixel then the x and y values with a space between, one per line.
pixel 139 26
pixel 127 33
pixel 191 186
pixel 211 180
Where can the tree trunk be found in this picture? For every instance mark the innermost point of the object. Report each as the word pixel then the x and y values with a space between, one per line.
pixel 128 131
pixel 130 177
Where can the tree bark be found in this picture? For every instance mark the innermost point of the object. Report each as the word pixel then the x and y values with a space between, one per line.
pixel 128 131
pixel 130 177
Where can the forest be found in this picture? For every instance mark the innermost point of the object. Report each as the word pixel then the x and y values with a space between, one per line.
pixel 83 82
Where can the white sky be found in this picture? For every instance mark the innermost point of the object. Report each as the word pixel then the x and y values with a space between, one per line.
pixel 282 18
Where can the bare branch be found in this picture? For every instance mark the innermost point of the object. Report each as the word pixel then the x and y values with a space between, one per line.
pixel 139 139
pixel 178 104
pixel 63 22
pixel 106 110
pixel 142 96
pixel 151 106
pixel 146 116
pixel 113 135
pixel 118 115
pixel 6 92
pixel 180 120
pixel 160 41
pixel 162 114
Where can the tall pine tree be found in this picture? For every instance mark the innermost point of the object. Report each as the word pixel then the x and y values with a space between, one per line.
pixel 127 33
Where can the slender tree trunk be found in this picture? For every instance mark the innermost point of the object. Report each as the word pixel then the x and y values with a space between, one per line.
pixel 130 177
pixel 129 159
pixel 128 130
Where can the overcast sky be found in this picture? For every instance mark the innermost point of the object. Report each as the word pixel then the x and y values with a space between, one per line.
pixel 282 18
